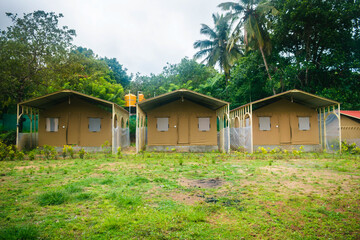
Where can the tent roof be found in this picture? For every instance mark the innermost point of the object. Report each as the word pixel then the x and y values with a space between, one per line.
pixel 60 96
pixel 201 99
pixel 353 114
pixel 297 96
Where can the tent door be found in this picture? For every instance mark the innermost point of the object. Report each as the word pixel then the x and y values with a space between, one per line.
pixel 183 129
pixel 284 129
pixel 73 128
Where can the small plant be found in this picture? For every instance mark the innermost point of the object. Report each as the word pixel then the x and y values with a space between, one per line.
pixel 262 150
pixel 20 155
pixel 70 151
pixel 64 151
pixel 32 154
pixel 82 153
pixel 119 153
pixel 181 161
pixel 106 147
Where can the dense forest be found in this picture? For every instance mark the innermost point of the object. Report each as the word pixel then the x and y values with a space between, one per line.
pixel 251 50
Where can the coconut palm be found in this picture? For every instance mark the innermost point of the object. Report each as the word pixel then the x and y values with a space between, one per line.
pixel 214 49
pixel 252 21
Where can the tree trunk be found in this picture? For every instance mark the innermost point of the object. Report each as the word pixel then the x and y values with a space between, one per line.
pixel 266 66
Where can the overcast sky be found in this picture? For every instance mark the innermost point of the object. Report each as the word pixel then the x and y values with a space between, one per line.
pixel 143 35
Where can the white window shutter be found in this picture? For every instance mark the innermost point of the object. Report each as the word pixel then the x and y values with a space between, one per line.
pixel 163 124
pixel 264 123
pixel 304 123
pixel 204 124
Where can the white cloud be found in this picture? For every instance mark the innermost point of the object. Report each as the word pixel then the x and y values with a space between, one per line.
pixel 143 35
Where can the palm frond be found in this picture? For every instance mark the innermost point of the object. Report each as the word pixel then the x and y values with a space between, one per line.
pixel 203 44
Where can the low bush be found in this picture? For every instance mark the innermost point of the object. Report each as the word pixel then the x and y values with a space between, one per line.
pixel 8 137
pixel 10 153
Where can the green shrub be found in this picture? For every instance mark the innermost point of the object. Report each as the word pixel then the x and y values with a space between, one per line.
pixel 68 150
pixel 82 153
pixel 56 197
pixel 19 232
pixel 9 137
pixel 49 152
pixel 20 155
pixel 349 148
pixel 9 153
pixel 119 153
pixel 32 154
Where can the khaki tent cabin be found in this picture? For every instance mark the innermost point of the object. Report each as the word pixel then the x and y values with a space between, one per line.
pixel 350 126
pixel 182 120
pixel 287 120
pixel 72 118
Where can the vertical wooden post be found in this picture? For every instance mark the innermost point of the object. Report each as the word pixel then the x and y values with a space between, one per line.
pixel 320 126
pixel 252 129
pixel 137 129
pixel 325 128
pixel 31 118
pixel 112 130
pixel 339 116
pixel 17 125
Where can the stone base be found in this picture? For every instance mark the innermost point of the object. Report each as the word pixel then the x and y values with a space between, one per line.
pixel 192 148
pixel 87 149
pixel 307 148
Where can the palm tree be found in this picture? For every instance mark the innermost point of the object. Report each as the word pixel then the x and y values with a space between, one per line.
pixel 215 49
pixel 251 17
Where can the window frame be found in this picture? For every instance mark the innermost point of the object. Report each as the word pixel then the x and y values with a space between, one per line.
pixel 95 118
pixel 260 123
pixel 48 124
pixel 308 122
pixel 157 124
pixel 207 129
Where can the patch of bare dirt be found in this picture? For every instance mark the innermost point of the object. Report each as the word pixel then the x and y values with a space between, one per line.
pixel 185 198
pixel 202 183
pixel 25 167
pixel 129 150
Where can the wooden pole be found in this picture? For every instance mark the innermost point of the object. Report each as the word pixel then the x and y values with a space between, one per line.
pixel 252 130
pixel 137 129
pixel 113 130
pixel 17 125
pixel 339 117
pixel 30 117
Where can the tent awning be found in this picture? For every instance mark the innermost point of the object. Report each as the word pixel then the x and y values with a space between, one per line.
pixel 195 97
pixel 297 96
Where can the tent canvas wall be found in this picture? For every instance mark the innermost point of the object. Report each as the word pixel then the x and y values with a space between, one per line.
pixel 287 120
pixel 183 120
pixel 71 118
pixel 350 126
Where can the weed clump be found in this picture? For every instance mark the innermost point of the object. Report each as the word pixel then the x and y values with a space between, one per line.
pixel 52 198
pixel 19 232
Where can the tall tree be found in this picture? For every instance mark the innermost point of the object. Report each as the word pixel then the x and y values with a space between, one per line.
pixel 215 48
pixel 28 50
pixel 252 20
pixel 118 72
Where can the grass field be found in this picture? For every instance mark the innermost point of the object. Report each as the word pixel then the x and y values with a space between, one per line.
pixel 182 196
